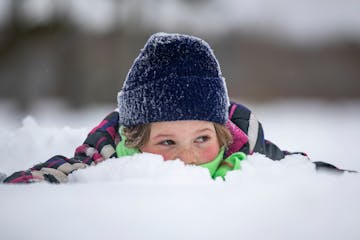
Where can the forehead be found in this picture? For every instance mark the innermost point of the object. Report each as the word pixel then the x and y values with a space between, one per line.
pixel 181 126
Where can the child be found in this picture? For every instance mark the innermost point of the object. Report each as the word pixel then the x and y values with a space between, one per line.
pixel 174 102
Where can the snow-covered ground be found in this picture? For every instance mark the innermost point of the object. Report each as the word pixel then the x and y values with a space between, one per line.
pixel 142 197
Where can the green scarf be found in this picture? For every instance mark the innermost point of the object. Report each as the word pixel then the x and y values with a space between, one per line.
pixel 123 151
pixel 217 167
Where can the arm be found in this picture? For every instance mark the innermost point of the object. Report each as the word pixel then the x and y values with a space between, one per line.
pixel 243 118
pixel 99 145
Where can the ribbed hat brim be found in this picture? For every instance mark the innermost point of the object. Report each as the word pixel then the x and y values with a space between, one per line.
pixel 174 99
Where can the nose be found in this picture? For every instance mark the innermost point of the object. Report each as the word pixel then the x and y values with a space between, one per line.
pixel 187 156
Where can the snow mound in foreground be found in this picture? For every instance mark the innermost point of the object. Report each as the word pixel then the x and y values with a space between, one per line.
pixel 143 197
pixel 146 168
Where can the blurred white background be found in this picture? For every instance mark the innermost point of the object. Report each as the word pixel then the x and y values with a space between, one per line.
pixel 296 64
pixel 80 51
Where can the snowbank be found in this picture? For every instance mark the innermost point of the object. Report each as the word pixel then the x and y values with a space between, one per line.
pixel 143 197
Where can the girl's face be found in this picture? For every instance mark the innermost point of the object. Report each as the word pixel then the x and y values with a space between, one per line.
pixel 193 142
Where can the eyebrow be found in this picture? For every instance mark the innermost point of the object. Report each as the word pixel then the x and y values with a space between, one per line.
pixel 164 136
pixel 204 130
pixel 172 135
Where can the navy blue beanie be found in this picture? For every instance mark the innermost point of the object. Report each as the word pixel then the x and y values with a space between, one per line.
pixel 175 77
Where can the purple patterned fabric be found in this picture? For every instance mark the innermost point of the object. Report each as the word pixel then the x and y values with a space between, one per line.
pixel 239 138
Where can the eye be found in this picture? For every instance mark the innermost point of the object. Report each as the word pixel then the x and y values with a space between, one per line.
pixel 202 139
pixel 167 142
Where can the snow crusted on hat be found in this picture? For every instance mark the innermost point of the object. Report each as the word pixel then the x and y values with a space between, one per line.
pixel 175 77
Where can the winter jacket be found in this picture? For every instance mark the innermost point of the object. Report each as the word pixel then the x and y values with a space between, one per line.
pixel 101 142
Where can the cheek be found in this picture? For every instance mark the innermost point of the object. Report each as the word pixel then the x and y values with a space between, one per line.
pixel 209 153
pixel 166 155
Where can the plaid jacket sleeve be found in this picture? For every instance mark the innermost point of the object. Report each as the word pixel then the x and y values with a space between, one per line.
pixel 99 145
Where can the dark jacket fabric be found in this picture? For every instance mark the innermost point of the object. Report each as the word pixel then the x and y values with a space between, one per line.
pixel 101 142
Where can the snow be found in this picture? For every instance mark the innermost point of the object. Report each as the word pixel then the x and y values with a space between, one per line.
pixel 143 197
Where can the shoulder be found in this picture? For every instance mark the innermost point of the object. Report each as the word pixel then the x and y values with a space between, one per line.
pixel 246 121
pixel 238 111
pixel 243 117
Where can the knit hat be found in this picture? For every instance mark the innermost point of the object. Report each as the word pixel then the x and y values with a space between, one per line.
pixel 175 77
